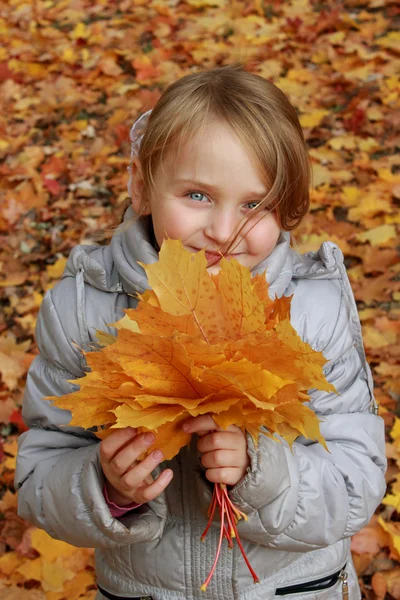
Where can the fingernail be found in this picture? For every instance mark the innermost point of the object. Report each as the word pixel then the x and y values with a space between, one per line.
pixel 149 438
pixel 157 454
pixel 186 427
pixel 167 475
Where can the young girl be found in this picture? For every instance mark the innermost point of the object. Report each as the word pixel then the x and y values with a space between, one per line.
pixel 221 164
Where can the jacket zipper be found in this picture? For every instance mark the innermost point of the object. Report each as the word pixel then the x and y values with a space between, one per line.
pixel 345 584
pixel 318 585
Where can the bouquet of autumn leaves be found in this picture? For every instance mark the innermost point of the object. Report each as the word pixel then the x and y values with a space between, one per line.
pixel 196 344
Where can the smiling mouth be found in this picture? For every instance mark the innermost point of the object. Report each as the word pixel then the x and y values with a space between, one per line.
pixel 215 255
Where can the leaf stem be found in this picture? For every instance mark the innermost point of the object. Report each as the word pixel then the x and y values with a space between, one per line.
pixel 230 515
pixel 211 512
pixel 254 575
pixel 221 535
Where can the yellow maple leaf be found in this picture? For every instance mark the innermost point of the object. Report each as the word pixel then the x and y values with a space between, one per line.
pixel 54 576
pixel 49 548
pixel 149 418
pixel 153 320
pixel 13 360
pixel 313 118
pixel 244 311
pixel 9 562
pixel 378 236
pixel 89 413
pixel 31 569
pixel 195 289
pixel 56 270
pixel 393 529
pixel 171 438
pixel 157 364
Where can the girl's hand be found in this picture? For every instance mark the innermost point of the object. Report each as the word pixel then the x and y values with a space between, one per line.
pixel 127 480
pixel 224 451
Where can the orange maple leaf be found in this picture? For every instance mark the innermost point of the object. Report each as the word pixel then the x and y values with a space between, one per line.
pixel 201 344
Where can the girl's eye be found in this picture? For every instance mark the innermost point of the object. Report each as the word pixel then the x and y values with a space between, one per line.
pixel 252 205
pixel 197 196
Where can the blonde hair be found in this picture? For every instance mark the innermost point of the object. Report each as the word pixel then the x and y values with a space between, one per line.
pixel 259 113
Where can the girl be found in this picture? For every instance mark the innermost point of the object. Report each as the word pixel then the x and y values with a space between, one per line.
pixel 220 163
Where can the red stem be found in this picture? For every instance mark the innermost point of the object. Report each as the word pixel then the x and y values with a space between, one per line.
pixel 230 518
pixel 227 535
pixel 213 502
pixel 238 513
pixel 255 578
pixel 211 512
pixel 221 535
pixel 218 492
pixel 229 530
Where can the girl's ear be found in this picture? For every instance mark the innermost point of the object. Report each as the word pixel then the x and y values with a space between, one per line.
pixel 136 188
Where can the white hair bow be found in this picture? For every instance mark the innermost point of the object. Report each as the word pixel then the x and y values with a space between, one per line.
pixel 136 133
pixel 136 136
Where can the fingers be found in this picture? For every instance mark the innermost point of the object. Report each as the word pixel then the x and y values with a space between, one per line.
pixel 200 424
pixel 137 475
pixel 146 494
pixel 224 455
pixel 130 453
pixel 119 452
pixel 220 458
pixel 229 476
pixel 219 439
pixel 204 424
pixel 112 444
pixel 131 480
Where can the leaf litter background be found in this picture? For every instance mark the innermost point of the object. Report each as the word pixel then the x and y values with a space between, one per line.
pixel 74 74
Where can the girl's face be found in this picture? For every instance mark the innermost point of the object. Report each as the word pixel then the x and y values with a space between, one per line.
pixel 203 195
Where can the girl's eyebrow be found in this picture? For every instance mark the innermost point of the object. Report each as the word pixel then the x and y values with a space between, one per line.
pixel 212 188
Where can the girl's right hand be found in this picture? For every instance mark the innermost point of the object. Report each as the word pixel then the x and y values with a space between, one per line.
pixel 127 480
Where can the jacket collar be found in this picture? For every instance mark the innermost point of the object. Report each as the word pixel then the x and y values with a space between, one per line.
pixel 132 243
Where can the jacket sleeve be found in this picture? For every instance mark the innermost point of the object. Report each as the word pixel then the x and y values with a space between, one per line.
pixel 58 476
pixel 307 498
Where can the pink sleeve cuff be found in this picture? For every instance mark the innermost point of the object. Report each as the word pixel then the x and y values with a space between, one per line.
pixel 115 510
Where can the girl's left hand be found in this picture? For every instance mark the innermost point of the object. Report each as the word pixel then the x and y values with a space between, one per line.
pixel 224 451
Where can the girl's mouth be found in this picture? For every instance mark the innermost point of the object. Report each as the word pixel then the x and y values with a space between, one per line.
pixel 215 257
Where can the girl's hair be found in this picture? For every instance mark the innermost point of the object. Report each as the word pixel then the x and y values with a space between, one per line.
pixel 259 113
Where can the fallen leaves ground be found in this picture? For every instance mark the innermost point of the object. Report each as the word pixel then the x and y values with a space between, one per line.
pixel 73 76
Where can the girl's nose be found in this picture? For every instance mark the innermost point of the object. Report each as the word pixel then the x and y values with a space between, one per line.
pixel 221 226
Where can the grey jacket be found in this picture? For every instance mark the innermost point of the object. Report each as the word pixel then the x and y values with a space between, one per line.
pixel 303 505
